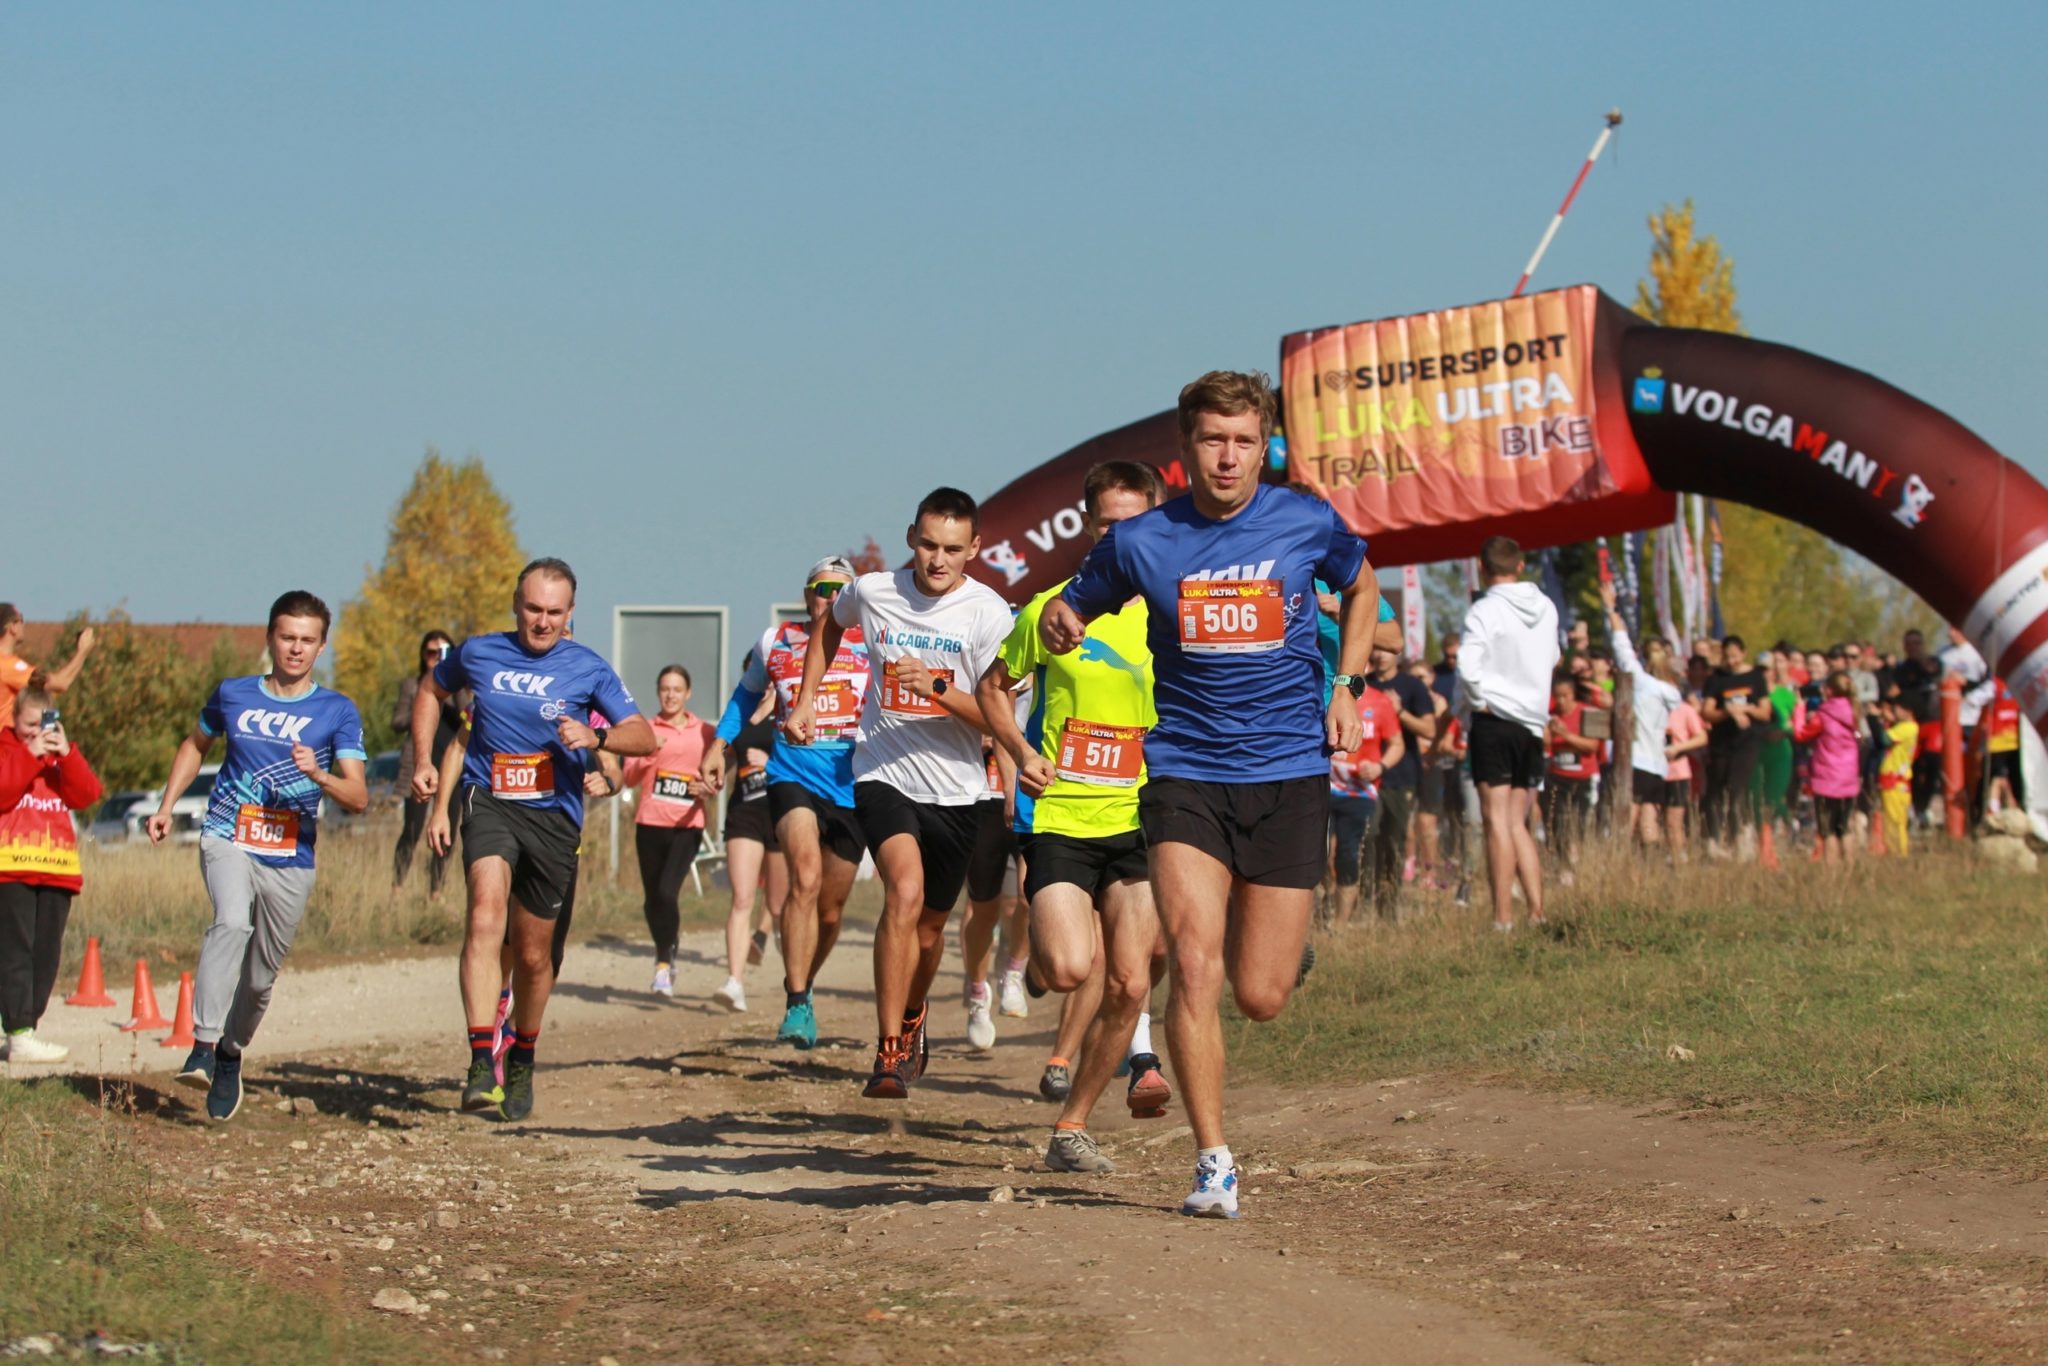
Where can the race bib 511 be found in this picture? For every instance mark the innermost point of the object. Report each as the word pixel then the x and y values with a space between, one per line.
pixel 1101 755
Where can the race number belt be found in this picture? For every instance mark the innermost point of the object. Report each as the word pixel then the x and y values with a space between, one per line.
pixel 267 831
pixel 753 782
pixel 1232 616
pixel 522 777
pixel 1101 755
pixel 835 712
pixel 670 786
pixel 899 699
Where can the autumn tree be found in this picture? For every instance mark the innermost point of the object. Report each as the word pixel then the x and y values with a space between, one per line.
pixel 1780 580
pixel 449 563
pixel 868 559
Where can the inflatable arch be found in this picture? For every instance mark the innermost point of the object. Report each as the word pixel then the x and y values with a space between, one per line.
pixel 1562 416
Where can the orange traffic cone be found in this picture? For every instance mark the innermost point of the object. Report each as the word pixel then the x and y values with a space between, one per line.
pixel 181 1030
pixel 1767 847
pixel 147 1015
pixel 92 982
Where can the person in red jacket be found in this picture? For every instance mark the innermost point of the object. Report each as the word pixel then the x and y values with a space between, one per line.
pixel 43 779
pixel 1574 761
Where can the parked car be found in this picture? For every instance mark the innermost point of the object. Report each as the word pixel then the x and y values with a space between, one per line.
pixel 186 815
pixel 110 823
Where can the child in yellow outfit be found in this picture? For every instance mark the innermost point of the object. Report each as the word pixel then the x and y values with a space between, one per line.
pixel 1895 774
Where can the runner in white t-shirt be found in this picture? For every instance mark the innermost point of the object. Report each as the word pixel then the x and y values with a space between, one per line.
pixel 917 766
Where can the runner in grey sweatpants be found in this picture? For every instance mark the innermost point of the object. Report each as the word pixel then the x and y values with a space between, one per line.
pixel 256 912
pixel 290 744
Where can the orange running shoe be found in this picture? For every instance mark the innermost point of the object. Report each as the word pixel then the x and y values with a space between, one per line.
pixel 1149 1092
pixel 915 1043
pixel 891 1079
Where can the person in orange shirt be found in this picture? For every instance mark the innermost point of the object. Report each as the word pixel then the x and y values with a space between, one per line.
pixel 16 672
pixel 2003 747
pixel 670 791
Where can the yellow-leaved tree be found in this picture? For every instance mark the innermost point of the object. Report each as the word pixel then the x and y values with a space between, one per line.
pixel 1780 580
pixel 449 563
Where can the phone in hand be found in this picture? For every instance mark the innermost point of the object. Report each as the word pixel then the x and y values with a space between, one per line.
pixel 52 718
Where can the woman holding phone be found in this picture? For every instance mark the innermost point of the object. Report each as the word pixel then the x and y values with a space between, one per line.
pixel 43 779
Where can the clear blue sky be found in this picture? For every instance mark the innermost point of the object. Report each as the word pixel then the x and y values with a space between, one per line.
pixel 713 290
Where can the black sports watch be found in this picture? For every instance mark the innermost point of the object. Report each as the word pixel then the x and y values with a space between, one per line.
pixel 601 733
pixel 939 686
pixel 1355 683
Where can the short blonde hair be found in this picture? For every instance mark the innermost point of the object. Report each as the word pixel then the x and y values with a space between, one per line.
pixel 1228 393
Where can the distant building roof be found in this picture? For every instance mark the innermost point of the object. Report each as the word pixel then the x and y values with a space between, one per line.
pixel 195 639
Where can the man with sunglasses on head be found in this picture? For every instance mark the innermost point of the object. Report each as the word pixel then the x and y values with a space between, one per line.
pixel 810 784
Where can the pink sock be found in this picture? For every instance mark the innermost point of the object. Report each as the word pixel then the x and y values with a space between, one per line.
pixel 1019 964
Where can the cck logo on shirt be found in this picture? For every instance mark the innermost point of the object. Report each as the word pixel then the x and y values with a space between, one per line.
pixel 521 682
pixel 274 725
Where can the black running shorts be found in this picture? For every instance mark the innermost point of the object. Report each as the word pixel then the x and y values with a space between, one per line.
pixel 541 846
pixel 1505 754
pixel 1270 834
pixel 751 820
pixel 838 828
pixel 1090 864
pixel 944 835
pixel 1648 789
pixel 995 844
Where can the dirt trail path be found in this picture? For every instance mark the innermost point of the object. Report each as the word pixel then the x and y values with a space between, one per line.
pixel 686 1189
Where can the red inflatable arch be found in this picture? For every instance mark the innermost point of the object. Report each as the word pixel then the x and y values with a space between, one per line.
pixel 1562 416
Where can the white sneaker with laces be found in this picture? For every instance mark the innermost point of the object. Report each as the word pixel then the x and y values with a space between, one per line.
pixel 981 1028
pixel 1015 1003
pixel 732 996
pixel 664 981
pixel 26 1047
pixel 1215 1192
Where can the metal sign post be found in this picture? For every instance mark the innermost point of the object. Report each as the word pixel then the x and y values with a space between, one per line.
pixel 646 640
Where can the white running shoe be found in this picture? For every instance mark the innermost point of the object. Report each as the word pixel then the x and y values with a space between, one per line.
pixel 1215 1192
pixel 26 1047
pixel 732 996
pixel 981 1029
pixel 664 981
pixel 1015 1004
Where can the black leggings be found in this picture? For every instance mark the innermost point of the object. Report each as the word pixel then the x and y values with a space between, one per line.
pixel 31 947
pixel 1730 804
pixel 1351 825
pixel 666 853
pixel 408 840
pixel 1565 803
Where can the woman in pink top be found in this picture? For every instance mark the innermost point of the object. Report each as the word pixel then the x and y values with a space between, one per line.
pixel 1686 731
pixel 669 794
pixel 1836 773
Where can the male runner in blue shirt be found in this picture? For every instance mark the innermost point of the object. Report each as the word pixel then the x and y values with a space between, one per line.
pixel 1237 805
pixel 290 742
pixel 521 806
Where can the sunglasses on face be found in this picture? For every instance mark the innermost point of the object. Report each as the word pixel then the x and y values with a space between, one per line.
pixel 826 590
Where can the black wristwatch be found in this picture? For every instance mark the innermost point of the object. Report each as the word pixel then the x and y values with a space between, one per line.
pixel 939 686
pixel 600 732
pixel 1354 683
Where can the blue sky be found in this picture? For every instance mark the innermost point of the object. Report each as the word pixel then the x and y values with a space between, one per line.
pixel 715 290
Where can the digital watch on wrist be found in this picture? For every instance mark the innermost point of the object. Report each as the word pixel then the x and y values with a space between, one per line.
pixel 1353 683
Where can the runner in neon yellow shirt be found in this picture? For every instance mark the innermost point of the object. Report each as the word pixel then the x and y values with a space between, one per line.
pixel 1080 768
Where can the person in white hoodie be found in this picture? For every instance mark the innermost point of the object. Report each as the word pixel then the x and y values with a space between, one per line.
pixel 1509 652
